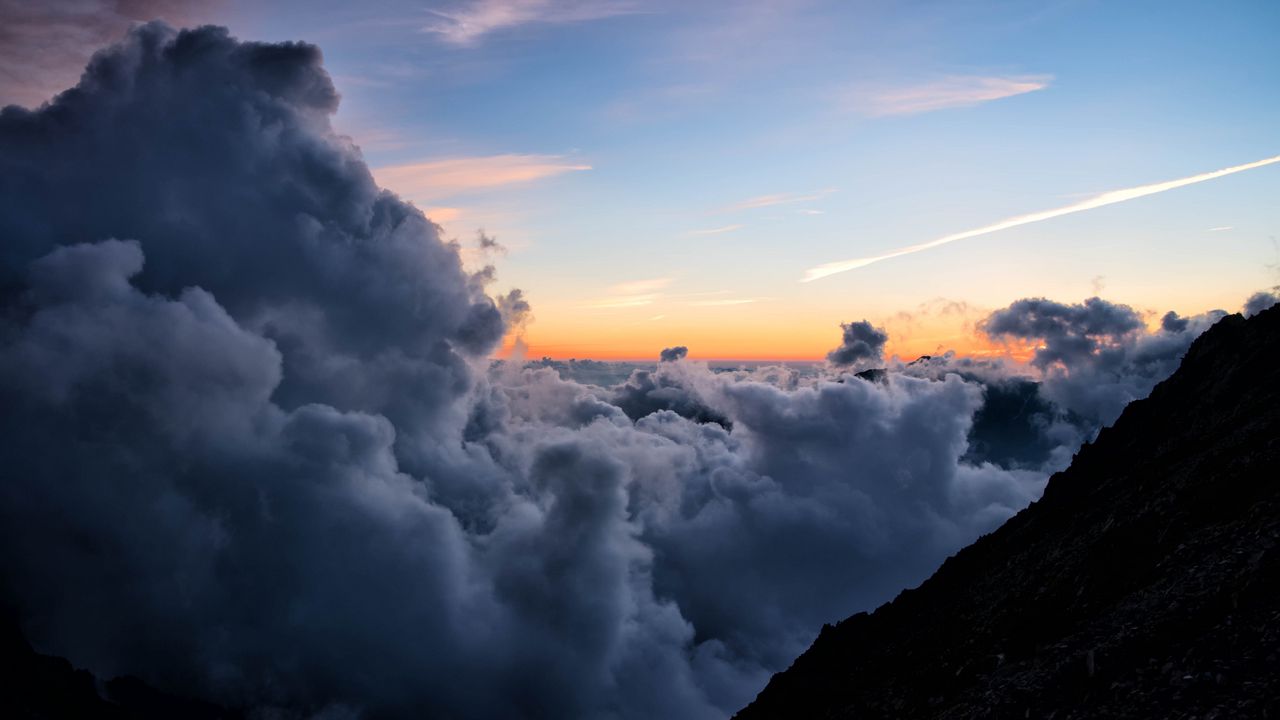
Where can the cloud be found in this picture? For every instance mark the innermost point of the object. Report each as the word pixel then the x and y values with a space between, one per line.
pixel 861 344
pixel 763 201
pixel 1068 332
pixel 717 230
pixel 474 19
pixel 1090 359
pixel 256 451
pixel 1173 323
pixel 672 354
pixel 1108 198
pixel 725 302
pixel 1260 301
pixel 44 45
pixel 635 293
pixel 949 92
pixel 1096 357
pixel 435 179
pixel 442 214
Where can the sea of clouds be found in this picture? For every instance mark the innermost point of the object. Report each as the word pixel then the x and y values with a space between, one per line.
pixel 255 450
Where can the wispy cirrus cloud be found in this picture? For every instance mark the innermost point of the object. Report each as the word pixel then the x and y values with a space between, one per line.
pixel 952 91
pixel 469 22
pixel 435 179
pixel 442 214
pixel 727 302
pixel 786 198
pixel 635 293
pixel 639 293
pixel 717 230
pixel 1107 198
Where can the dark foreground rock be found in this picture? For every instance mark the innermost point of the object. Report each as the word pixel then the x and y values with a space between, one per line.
pixel 1145 583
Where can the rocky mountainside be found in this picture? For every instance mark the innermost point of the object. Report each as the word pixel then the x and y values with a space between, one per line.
pixel 1145 583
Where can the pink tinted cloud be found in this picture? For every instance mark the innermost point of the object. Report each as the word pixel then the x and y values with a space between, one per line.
pixel 473 20
pixel 435 179
pixel 45 44
pixel 948 92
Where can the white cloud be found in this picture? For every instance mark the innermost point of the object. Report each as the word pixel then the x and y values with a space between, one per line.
pixel 474 20
pixel 948 92
pixel 1097 201
pixel 786 198
pixel 717 231
pixel 635 293
pixel 727 302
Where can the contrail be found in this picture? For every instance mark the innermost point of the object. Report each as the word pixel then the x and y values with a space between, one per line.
pixel 1106 198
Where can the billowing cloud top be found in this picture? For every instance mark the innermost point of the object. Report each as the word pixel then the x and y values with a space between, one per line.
pixel 254 450
pixel 1260 301
pixel 673 354
pixel 1068 331
pixel 862 344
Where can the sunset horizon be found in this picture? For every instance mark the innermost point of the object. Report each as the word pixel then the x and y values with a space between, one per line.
pixel 639 359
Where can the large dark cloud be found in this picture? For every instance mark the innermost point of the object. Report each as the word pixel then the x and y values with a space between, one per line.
pixel 254 449
pixel 218 158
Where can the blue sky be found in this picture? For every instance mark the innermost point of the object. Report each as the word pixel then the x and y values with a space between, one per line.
pixel 664 172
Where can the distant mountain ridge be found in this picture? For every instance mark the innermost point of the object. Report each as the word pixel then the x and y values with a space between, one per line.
pixel 1145 582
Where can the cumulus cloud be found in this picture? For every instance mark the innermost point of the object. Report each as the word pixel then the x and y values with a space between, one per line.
pixel 673 354
pixel 1260 301
pixel 861 344
pixel 1173 323
pixel 256 452
pixel 1068 332
pixel 45 45
pixel 1096 356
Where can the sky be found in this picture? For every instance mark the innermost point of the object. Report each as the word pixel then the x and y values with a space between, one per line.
pixel 257 449
pixel 666 173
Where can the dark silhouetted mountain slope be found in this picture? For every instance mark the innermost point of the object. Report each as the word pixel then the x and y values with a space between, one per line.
pixel 1145 583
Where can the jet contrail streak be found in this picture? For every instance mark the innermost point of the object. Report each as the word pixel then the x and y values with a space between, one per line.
pixel 1106 198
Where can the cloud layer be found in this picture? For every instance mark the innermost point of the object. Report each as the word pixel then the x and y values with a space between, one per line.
pixel 255 450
